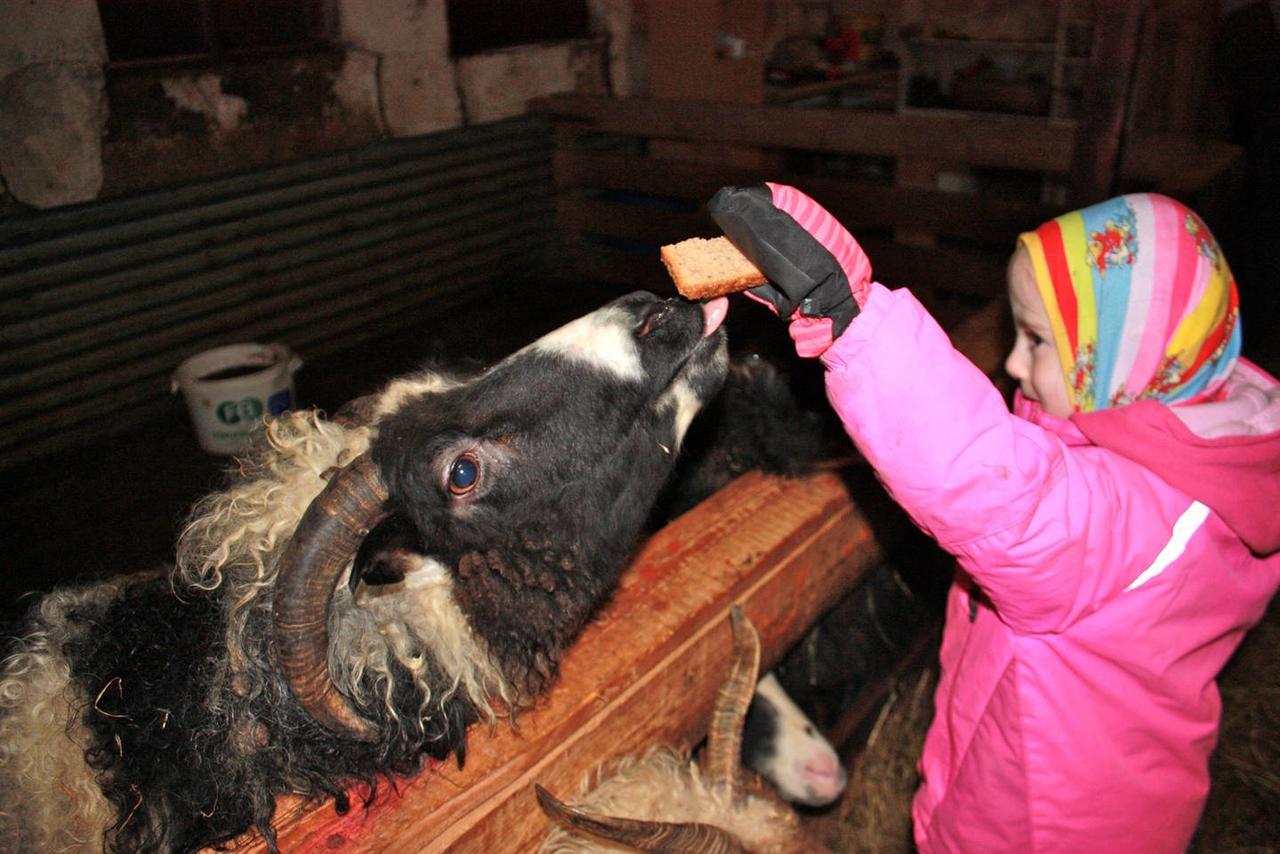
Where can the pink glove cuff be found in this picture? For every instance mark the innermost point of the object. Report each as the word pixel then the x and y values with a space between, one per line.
pixel 828 231
pixel 764 302
pixel 812 335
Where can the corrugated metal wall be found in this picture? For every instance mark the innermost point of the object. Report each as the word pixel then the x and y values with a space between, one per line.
pixel 99 303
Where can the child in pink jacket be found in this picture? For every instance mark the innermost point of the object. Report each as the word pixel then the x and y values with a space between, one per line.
pixel 1116 534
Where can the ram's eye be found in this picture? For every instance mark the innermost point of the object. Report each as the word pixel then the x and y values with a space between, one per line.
pixel 464 474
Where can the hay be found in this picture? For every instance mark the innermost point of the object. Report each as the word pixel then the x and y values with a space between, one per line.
pixel 1243 810
pixel 875 812
pixel 1242 815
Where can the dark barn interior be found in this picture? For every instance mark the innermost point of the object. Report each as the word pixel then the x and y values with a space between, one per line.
pixel 378 184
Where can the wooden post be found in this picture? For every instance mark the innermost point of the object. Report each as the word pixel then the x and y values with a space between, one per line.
pixel 686 60
pixel 1095 159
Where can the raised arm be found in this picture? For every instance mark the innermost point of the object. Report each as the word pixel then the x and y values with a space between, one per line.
pixel 1003 494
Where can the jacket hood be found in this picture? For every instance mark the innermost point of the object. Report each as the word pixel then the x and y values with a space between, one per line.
pixel 1224 453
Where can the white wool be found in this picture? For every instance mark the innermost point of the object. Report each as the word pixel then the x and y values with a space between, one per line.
pixel 236 538
pixel 666 785
pixel 50 800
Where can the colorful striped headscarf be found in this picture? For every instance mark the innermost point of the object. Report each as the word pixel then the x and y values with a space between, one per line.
pixel 1141 302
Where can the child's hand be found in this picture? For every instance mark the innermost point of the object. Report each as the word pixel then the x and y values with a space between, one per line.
pixel 818 275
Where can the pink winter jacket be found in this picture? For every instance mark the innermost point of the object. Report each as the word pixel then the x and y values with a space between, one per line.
pixel 1108 567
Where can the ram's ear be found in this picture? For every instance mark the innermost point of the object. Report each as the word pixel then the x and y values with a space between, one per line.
pixel 390 552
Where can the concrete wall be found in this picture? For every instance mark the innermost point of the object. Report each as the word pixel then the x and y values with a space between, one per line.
pixel 52 100
pixel 73 129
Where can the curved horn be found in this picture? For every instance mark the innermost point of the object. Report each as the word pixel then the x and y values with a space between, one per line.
pixel 641 835
pixel 324 543
pixel 724 742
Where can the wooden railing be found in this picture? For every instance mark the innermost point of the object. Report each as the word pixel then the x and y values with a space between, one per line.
pixel 632 174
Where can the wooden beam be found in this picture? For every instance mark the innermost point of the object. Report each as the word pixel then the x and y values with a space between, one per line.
pixel 979 274
pixel 1095 160
pixel 857 203
pixel 919 174
pixel 639 223
pixel 1169 161
pixel 1016 143
pixel 644 672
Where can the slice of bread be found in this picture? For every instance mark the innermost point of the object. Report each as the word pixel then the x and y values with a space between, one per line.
pixel 709 268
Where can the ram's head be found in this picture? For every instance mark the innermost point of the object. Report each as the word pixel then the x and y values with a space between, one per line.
pixel 518 492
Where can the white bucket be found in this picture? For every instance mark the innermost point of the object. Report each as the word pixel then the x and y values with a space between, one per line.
pixel 231 390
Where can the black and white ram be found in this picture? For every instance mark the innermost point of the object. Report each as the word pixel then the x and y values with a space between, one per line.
pixel 754 423
pixel 167 712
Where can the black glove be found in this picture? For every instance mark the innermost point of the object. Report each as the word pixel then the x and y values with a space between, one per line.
pixel 802 273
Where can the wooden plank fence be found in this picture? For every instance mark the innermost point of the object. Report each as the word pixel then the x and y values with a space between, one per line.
pixel 621 192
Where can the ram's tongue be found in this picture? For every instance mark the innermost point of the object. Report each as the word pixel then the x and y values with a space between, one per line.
pixel 713 314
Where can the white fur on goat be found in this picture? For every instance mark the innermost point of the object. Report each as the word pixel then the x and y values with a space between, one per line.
pixel 785 748
pixel 661 800
pixel 597 339
pixel 667 784
pixel 50 803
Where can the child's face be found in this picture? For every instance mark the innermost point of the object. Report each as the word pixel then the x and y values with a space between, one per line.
pixel 1034 361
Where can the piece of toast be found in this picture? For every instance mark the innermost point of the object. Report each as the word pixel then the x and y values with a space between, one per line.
pixel 709 268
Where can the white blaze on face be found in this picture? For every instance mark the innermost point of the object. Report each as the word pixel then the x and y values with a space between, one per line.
pixel 407 388
pixel 680 398
pixel 602 338
pixel 684 401
pixel 802 765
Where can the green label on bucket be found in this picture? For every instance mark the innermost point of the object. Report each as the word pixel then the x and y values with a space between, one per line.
pixel 237 411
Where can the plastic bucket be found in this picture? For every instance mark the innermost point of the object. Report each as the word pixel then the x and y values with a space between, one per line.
pixel 230 391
